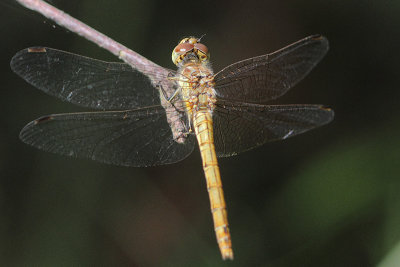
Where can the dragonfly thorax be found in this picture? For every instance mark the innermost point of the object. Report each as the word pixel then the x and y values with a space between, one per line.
pixel 197 86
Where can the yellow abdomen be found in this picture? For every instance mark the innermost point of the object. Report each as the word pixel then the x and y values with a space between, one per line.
pixel 202 121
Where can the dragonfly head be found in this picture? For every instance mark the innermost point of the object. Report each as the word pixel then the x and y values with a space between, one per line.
pixel 190 49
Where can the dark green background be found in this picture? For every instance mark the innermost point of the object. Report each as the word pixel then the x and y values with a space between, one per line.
pixel 329 197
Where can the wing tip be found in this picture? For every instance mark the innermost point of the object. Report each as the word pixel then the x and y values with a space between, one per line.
pixel 326 108
pixel 36 49
pixel 317 37
pixel 321 39
pixel 15 61
pixel 43 119
pixel 25 132
pixel 329 111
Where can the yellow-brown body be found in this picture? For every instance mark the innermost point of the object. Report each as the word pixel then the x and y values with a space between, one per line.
pixel 204 132
pixel 197 92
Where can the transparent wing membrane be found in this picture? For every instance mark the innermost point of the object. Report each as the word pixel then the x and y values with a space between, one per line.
pixel 136 138
pixel 89 82
pixel 149 125
pixel 267 77
pixel 241 127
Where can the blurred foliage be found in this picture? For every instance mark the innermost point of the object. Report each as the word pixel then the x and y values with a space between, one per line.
pixel 326 198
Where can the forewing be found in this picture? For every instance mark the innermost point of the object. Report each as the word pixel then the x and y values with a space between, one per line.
pixel 129 138
pixel 267 77
pixel 241 127
pixel 89 82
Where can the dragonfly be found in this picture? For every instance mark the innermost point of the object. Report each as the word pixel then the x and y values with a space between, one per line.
pixel 156 116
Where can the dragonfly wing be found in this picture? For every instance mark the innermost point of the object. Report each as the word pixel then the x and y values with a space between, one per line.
pixel 267 77
pixel 136 138
pixel 241 127
pixel 89 82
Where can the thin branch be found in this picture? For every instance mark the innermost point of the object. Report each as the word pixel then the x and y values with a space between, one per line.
pixel 63 19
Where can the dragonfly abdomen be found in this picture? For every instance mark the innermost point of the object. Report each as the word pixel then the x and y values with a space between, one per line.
pixel 202 121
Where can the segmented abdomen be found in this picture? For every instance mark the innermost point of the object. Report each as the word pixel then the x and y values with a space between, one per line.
pixel 202 121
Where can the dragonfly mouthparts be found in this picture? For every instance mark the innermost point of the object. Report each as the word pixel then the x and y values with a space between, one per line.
pixel 190 57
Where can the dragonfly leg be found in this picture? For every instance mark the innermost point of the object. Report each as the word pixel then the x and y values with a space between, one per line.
pixel 183 135
pixel 188 128
pixel 172 97
pixel 166 98
pixel 164 93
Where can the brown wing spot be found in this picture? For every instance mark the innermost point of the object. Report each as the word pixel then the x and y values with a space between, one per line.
pixel 317 37
pixel 44 119
pixel 325 108
pixel 37 50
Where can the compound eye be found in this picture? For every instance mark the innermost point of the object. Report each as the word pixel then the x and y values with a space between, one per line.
pixel 183 48
pixel 201 47
pixel 202 51
pixel 192 40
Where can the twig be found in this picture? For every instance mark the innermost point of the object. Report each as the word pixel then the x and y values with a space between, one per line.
pixel 63 19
